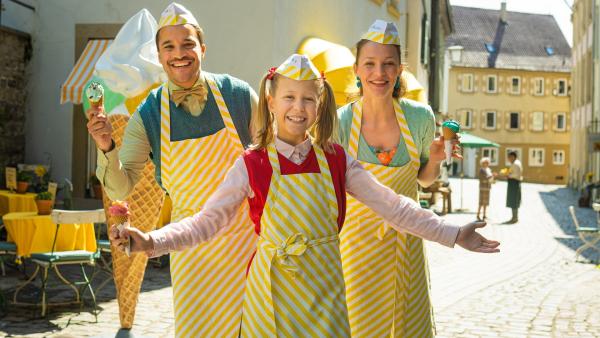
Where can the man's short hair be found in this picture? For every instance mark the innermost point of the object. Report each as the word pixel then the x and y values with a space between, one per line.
pixel 512 153
pixel 199 33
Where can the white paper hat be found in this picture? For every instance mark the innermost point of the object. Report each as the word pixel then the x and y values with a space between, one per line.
pixel 176 14
pixel 129 66
pixel 383 32
pixel 298 67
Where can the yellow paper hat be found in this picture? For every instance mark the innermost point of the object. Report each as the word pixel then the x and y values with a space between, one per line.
pixel 176 14
pixel 383 32
pixel 298 67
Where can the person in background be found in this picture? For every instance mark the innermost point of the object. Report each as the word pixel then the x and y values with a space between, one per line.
pixel 513 193
pixel 486 178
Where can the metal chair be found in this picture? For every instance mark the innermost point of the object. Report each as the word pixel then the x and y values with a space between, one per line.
pixel 6 248
pixel 590 236
pixel 104 264
pixel 51 260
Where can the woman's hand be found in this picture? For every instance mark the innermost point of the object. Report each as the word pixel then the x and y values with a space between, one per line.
pixel 471 240
pixel 436 150
pixel 140 242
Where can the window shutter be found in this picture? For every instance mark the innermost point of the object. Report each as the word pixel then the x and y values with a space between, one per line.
pixel 459 81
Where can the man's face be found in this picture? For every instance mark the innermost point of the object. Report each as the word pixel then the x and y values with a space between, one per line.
pixel 511 158
pixel 180 53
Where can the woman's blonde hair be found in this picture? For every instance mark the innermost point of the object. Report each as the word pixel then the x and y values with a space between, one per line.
pixel 485 159
pixel 323 130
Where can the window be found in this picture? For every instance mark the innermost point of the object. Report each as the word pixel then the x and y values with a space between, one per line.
pixel 424 39
pixel 491 83
pixel 561 122
pixel 466 119
pixel 467 83
pixel 538 86
pixel 549 50
pixel 515 85
pixel 561 89
pixel 491 153
pixel 490 120
pixel 510 150
pixel 536 157
pixel 558 157
pixel 515 120
pixel 538 121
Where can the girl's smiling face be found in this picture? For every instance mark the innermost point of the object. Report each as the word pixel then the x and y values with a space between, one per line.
pixel 294 104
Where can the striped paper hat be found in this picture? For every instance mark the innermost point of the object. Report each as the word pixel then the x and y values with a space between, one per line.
pixel 383 32
pixel 176 14
pixel 298 67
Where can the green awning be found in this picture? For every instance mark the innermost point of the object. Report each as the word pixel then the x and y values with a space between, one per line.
pixel 472 141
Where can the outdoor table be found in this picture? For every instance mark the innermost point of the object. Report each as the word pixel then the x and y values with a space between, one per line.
pixel 33 233
pixel 13 202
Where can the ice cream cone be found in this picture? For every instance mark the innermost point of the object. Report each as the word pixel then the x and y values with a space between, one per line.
pixel 144 202
pixel 449 129
pixel 95 94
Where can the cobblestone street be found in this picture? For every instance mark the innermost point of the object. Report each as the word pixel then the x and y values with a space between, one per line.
pixel 533 288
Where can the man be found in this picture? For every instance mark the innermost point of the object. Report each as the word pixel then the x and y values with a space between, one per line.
pixel 513 194
pixel 192 128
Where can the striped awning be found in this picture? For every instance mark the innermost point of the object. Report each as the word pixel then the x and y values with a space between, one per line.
pixel 72 89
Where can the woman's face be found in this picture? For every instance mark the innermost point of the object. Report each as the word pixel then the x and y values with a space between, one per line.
pixel 378 66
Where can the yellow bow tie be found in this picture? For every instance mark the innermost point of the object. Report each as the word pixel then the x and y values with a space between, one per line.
pixel 178 96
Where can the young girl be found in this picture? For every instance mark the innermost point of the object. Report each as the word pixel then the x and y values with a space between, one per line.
pixel 296 188
pixel 486 178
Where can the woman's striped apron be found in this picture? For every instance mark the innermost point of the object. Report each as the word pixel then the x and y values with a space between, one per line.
pixel 386 274
pixel 295 284
pixel 208 280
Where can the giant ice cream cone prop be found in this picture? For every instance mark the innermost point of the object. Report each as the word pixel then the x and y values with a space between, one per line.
pixel 129 69
pixel 144 202
pixel 450 129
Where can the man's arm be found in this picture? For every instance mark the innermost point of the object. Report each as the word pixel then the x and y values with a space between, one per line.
pixel 120 169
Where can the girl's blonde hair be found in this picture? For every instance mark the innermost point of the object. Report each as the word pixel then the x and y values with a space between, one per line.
pixel 323 131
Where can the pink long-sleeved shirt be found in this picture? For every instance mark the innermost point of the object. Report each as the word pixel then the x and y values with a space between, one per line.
pixel 401 212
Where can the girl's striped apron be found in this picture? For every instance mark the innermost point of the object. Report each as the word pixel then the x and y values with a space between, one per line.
pixel 208 280
pixel 295 284
pixel 386 274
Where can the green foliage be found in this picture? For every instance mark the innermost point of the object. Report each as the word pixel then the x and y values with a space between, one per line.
pixel 44 195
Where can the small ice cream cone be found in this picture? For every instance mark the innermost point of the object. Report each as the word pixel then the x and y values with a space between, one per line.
pixel 95 94
pixel 119 212
pixel 449 129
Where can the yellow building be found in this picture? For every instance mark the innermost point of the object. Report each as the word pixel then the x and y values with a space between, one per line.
pixel 509 80
pixel 585 102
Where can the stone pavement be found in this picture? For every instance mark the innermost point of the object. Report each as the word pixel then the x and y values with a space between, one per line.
pixel 533 288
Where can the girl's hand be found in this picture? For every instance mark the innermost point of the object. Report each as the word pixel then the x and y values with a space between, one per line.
pixel 471 240
pixel 140 242
pixel 437 152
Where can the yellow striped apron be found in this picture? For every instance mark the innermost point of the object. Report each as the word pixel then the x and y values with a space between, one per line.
pixel 295 284
pixel 208 280
pixel 385 271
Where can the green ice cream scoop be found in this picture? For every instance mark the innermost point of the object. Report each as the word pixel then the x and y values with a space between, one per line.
pixel 452 125
pixel 94 92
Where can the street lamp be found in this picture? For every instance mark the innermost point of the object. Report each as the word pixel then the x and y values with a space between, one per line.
pixel 455 53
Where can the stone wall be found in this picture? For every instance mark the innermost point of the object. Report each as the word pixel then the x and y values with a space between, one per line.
pixel 15 52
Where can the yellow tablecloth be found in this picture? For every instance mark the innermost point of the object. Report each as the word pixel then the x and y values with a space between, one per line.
pixel 34 234
pixel 13 202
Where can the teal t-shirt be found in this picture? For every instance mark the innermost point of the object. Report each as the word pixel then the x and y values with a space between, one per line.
pixel 421 123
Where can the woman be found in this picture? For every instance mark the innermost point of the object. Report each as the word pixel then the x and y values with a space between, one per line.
pixel 385 271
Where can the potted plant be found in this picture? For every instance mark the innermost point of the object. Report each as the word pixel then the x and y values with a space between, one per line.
pixel 23 178
pixel 96 186
pixel 44 201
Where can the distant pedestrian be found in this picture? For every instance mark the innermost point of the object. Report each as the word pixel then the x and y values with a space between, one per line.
pixel 513 194
pixel 486 178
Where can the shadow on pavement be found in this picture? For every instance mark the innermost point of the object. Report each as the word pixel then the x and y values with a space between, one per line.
pixel 557 203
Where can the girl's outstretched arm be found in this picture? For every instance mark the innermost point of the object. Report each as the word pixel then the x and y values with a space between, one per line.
pixel 406 215
pixel 219 211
